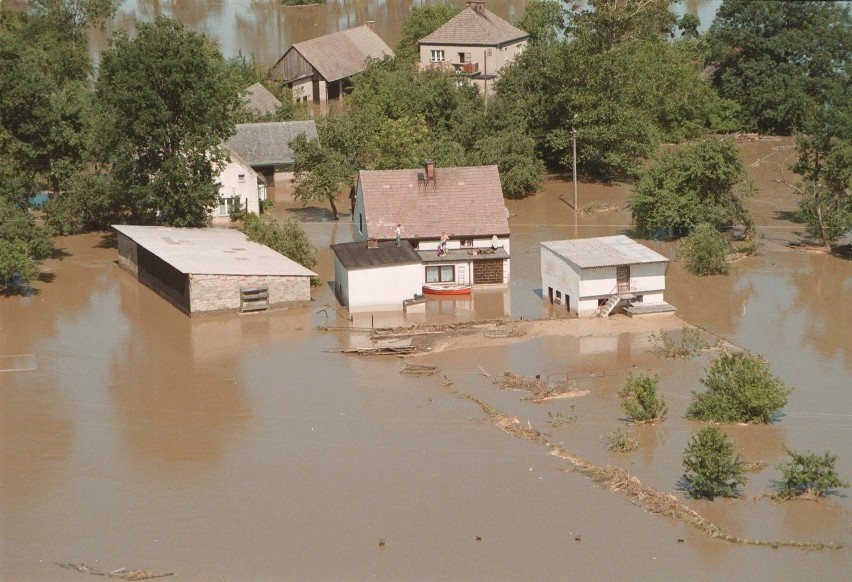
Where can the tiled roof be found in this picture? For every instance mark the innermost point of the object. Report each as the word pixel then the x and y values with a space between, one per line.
pixel 466 201
pixel 606 251
pixel 268 144
pixel 261 100
pixel 212 251
pixel 342 54
pixel 238 159
pixel 356 255
pixel 469 27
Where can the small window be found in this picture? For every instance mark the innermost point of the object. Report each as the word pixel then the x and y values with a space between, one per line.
pixel 360 223
pixel 466 242
pixel 437 56
pixel 441 274
pixel 241 178
pixel 519 49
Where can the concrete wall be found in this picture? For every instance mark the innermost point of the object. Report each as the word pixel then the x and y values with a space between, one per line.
pixel 557 274
pixel 217 293
pixel 382 288
pixel 127 258
pixel 303 90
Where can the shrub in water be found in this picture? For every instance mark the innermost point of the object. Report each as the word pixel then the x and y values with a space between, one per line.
pixel 620 440
pixel 705 251
pixel 740 388
pixel 807 474
pixel 640 400
pixel 712 467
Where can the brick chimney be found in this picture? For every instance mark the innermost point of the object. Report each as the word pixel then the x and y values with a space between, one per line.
pixel 371 24
pixel 429 166
pixel 477 5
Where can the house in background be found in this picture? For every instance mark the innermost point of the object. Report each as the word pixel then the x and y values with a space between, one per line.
pixel 260 100
pixel 466 203
pixel 238 181
pixel 318 70
pixel 475 43
pixel 594 276
pixel 376 275
pixel 266 146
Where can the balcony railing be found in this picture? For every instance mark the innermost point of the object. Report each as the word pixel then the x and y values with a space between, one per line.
pixel 466 68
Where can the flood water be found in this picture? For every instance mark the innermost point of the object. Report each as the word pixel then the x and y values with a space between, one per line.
pixel 244 448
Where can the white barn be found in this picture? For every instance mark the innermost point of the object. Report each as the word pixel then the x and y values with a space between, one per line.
pixel 376 275
pixel 595 276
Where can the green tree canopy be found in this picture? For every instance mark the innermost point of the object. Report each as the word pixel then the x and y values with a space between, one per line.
pixel 712 467
pixel 22 244
pixel 701 183
pixel 779 60
pixel 164 103
pixel 421 22
pixel 543 20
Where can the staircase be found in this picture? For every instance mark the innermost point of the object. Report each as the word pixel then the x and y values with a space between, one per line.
pixel 610 304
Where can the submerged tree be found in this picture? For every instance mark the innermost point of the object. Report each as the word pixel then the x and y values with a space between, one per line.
pixel 164 101
pixel 712 467
pixel 807 474
pixel 287 238
pixel 640 399
pixel 705 251
pixel 701 183
pixel 321 173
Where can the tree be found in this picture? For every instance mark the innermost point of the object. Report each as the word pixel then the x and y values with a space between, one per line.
pixel 740 388
pixel 712 467
pixel 421 22
pixel 22 245
pixel 611 22
pixel 164 101
pixel 287 238
pixel 321 173
pixel 807 474
pixel 705 251
pixel 701 183
pixel 543 20
pixel 778 60
pixel 521 172
pixel 640 400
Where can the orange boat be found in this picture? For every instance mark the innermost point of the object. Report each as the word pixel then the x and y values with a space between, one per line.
pixel 446 289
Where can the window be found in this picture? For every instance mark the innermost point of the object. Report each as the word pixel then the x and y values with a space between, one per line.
pixel 519 48
pixel 241 178
pixel 437 56
pixel 226 205
pixel 466 242
pixel 360 223
pixel 441 274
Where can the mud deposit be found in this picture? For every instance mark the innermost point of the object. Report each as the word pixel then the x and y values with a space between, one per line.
pixel 245 448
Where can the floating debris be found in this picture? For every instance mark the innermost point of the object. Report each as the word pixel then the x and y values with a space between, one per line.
pixel 122 573
pixel 378 351
pixel 419 370
pixel 540 390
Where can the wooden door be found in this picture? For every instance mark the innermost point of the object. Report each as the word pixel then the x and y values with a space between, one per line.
pixel 622 278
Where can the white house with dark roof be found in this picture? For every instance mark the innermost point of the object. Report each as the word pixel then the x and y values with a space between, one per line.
pixel 465 203
pixel 376 275
pixel 238 181
pixel 318 69
pixel 475 43
pixel 594 276
pixel 266 146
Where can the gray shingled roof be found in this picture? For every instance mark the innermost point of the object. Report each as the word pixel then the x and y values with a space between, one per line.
pixel 261 100
pixel 342 54
pixel 235 157
pixel 466 201
pixel 471 28
pixel 605 251
pixel 268 144
pixel 356 255
pixel 212 251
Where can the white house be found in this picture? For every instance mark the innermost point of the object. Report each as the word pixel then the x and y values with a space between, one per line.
pixel 464 203
pixel 266 146
pixel 238 181
pixel 376 275
pixel 594 276
pixel 476 43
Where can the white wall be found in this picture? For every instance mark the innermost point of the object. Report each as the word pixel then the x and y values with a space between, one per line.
pixel 230 185
pixel 383 288
pixel 559 275
pixel 490 64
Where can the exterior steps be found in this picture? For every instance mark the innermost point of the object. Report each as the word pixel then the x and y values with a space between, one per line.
pixel 610 304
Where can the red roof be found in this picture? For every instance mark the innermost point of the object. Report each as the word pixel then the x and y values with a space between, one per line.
pixel 465 201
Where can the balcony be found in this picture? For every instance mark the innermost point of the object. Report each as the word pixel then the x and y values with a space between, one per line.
pixel 466 68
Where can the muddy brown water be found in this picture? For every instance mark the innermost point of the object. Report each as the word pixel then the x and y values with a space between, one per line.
pixel 243 448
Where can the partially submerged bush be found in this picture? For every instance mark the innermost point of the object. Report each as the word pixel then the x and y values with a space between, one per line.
pixel 712 467
pixel 740 388
pixel 287 238
pixel 640 400
pixel 691 342
pixel 808 475
pixel 620 440
pixel 705 251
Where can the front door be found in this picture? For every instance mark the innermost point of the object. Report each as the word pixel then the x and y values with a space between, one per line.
pixel 622 278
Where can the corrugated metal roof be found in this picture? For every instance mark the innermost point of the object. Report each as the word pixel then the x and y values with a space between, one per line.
pixel 472 28
pixel 261 100
pixel 356 255
pixel 268 144
pixel 606 251
pixel 465 201
pixel 342 54
pixel 212 251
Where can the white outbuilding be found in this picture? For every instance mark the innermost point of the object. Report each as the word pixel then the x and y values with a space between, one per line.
pixel 595 276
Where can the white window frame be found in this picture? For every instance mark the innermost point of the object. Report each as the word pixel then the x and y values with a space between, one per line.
pixel 437 56
pixel 241 178
pixel 440 274
pixel 226 204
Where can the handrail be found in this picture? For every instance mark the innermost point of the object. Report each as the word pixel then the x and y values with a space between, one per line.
pixel 613 291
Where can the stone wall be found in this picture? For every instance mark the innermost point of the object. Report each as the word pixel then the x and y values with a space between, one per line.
pixel 488 272
pixel 219 293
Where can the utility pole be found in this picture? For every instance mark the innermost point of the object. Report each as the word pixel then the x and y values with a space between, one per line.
pixel 485 76
pixel 574 148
